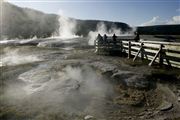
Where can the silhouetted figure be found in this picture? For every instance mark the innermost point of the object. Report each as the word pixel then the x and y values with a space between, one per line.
pixel 105 38
pixel 99 39
pixel 114 39
pixel 137 38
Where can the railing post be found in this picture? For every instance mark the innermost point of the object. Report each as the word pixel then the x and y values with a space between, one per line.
pixel 158 54
pixel 161 55
pixel 129 50
pixel 121 44
pixel 96 46
pixel 142 51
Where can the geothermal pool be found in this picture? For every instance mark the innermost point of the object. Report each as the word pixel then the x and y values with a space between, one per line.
pixel 54 79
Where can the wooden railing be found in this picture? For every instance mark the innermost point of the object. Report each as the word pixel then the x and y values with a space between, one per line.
pixel 167 53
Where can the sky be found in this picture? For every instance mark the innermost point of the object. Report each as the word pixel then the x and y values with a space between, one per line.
pixel 133 12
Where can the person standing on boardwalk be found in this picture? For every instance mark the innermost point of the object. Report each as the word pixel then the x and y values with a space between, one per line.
pixel 114 39
pixel 137 38
pixel 98 42
pixel 105 39
pixel 99 39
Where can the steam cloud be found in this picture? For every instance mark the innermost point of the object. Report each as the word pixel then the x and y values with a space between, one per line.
pixel 16 57
pixel 102 29
pixel 67 26
pixel 71 89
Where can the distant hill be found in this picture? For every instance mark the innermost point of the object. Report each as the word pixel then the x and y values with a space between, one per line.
pixel 159 30
pixel 26 23
pixel 85 26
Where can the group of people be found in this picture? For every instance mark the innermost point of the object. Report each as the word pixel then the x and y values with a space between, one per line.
pixel 104 39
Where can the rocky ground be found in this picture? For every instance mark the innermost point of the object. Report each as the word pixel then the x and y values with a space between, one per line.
pixel 66 80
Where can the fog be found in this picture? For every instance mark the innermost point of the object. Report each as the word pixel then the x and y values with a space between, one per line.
pixel 11 57
pixel 102 29
pixel 71 89
pixel 67 26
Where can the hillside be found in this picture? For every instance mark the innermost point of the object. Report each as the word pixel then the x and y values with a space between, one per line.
pixel 159 30
pixel 26 23
pixel 85 26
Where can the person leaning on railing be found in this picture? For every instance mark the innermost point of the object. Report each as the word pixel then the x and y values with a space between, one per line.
pixel 137 38
pixel 99 39
pixel 114 39
pixel 105 39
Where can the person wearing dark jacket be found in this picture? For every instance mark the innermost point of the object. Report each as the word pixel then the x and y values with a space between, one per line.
pixel 114 39
pixel 99 39
pixel 105 39
pixel 137 38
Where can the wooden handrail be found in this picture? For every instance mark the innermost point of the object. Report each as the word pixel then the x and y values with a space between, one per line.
pixel 163 43
pixel 154 51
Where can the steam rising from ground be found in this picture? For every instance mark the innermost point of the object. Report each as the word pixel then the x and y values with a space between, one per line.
pixel 72 89
pixel 102 29
pixel 15 57
pixel 67 27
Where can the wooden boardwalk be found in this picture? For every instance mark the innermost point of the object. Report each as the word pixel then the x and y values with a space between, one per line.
pixel 167 53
